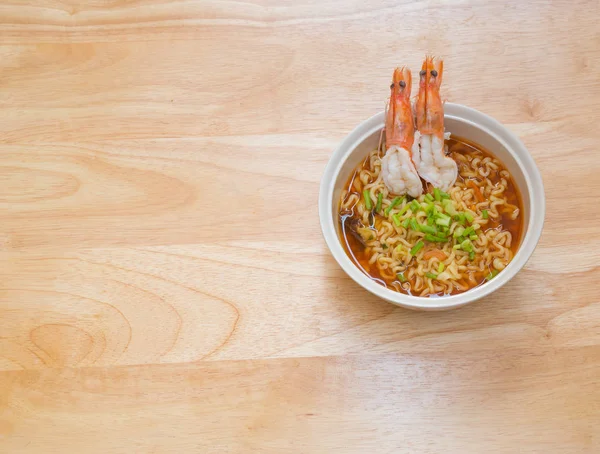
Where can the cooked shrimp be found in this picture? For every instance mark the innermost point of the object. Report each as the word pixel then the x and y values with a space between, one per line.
pixel 434 166
pixel 397 166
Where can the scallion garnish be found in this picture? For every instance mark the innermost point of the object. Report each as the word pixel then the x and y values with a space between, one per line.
pixel 449 207
pixel 404 209
pixel 435 238
pixel 437 194
pixel 431 275
pixel 401 277
pixel 466 245
pixel 473 237
pixel 379 200
pixel 469 216
pixel 405 223
pixel 492 275
pixel 415 206
pixel 441 267
pixel 472 255
pixel 484 214
pixel 395 202
pixel 444 195
pixel 427 229
pixel 396 219
pixel 458 232
pixel 413 224
pixel 417 247
pixel 429 197
pixel 442 219
pixel 367 197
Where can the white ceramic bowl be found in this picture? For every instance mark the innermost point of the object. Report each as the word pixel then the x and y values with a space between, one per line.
pixel 463 122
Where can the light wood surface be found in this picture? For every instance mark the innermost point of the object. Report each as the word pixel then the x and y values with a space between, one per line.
pixel 164 285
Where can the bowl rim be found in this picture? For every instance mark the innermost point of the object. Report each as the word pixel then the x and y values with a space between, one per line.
pixel 534 190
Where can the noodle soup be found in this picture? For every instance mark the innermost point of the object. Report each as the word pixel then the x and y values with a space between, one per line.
pixel 440 243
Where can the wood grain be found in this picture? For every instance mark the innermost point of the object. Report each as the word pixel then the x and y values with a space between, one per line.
pixel 164 286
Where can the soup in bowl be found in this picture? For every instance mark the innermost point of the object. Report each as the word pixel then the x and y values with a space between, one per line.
pixel 433 247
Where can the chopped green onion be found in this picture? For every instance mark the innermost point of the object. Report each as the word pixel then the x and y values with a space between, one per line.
pixel 431 275
pixel 396 220
pixel 367 197
pixel 427 229
pixel 401 277
pixel 413 224
pixel 435 239
pixel 473 237
pixel 449 207
pixel 417 247
pixel 424 205
pixel 379 200
pixel 492 275
pixel 429 197
pixel 395 202
pixel 430 221
pixel 404 209
pixel 443 220
pixel 437 194
pixel 458 232
pixel 415 206
pixel 405 223
pixel 456 247
pixel 468 231
pixel 472 255
pixel 466 246
pixel 461 218
pixel 444 195
pixel 469 216
pixel 476 226
pixel 484 214
pixel 441 267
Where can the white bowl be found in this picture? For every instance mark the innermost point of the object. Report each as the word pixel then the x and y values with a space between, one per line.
pixel 463 122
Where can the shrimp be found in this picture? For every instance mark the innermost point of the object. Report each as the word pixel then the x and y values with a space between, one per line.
pixel 434 166
pixel 397 166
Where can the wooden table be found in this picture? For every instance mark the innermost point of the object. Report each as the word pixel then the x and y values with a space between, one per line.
pixel 164 285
